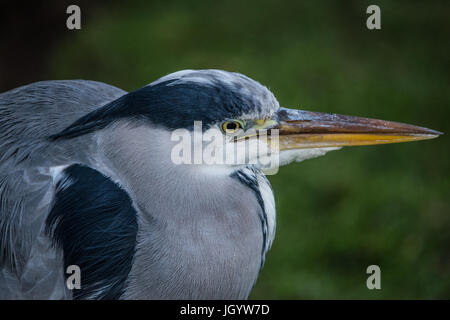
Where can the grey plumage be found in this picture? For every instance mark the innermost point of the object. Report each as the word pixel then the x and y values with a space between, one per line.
pixel 30 268
pixel 189 244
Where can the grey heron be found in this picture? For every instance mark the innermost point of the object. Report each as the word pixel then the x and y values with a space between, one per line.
pixel 86 179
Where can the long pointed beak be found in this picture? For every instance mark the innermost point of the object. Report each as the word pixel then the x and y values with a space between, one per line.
pixel 306 129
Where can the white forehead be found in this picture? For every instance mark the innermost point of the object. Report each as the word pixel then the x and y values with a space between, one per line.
pixel 172 76
pixel 207 76
pixel 200 76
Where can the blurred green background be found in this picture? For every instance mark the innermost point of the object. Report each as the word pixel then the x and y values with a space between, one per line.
pixel 385 205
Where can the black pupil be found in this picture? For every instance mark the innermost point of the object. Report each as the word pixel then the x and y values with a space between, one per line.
pixel 231 126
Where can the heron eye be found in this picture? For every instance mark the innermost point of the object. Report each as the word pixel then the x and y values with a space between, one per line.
pixel 231 126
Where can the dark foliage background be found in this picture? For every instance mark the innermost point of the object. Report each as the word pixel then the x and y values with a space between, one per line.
pixel 385 205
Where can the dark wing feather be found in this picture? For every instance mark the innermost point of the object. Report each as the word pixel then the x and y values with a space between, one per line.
pixel 94 223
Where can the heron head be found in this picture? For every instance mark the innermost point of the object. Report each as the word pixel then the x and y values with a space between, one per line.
pixel 244 117
pixel 250 119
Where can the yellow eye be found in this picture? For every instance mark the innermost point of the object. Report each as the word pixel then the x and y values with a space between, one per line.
pixel 231 126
